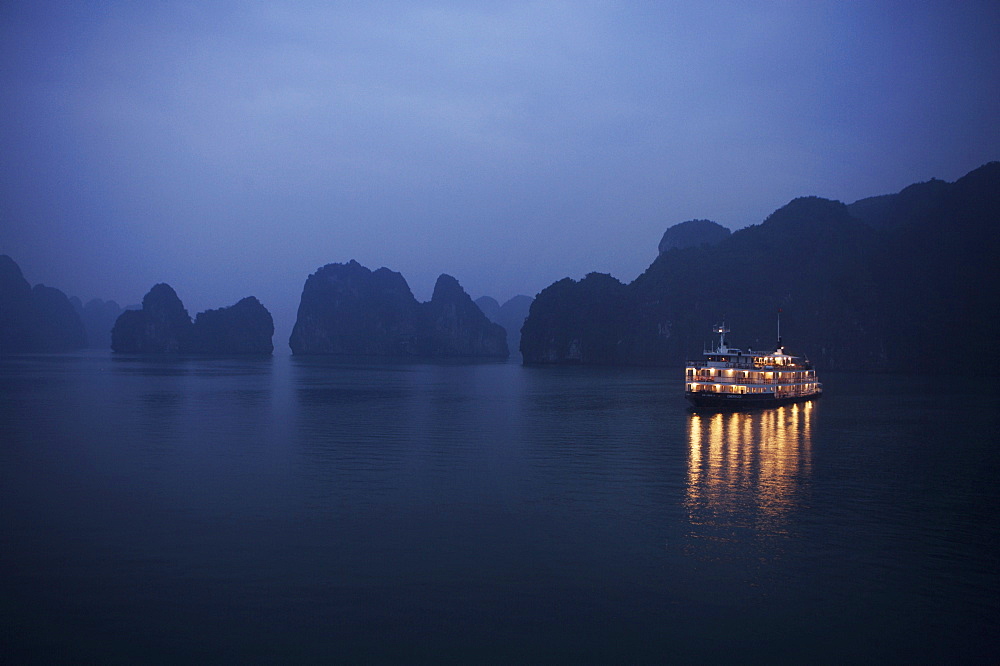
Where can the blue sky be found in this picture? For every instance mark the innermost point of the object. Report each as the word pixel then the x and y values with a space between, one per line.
pixel 232 148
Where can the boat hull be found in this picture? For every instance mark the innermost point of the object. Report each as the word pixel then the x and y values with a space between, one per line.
pixel 732 402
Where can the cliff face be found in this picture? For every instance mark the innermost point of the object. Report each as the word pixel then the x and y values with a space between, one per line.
pixel 808 258
pixel 692 233
pixel 58 326
pixel 163 326
pixel 349 309
pixel 937 275
pixel 590 321
pixel 16 318
pixel 39 319
pixel 452 325
pixel 244 328
pixel 888 283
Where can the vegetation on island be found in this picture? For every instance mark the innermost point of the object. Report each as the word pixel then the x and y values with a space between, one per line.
pixel 349 309
pixel 892 283
pixel 163 326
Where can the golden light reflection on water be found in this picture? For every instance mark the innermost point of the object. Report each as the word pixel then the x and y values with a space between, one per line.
pixel 748 469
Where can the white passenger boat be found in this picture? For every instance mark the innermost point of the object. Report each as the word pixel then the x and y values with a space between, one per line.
pixel 728 379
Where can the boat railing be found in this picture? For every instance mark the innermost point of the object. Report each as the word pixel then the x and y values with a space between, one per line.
pixel 779 391
pixel 787 381
pixel 749 365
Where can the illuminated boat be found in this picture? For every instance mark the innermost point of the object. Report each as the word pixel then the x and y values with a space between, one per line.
pixel 729 379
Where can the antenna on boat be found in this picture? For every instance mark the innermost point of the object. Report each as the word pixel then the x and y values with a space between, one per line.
pixel 721 330
pixel 779 328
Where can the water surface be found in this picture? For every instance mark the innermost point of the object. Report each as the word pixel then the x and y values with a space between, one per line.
pixel 282 509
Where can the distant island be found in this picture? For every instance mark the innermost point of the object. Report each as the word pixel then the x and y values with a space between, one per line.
pixel 35 319
pixel 891 283
pixel 510 315
pixel 98 319
pixel 348 309
pixel 163 326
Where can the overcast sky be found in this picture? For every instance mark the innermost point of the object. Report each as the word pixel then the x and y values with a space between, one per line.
pixel 231 148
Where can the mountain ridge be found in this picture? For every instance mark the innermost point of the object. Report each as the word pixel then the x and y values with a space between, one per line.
pixel 878 285
pixel 348 309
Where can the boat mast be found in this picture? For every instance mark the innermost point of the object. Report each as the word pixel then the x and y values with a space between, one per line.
pixel 722 330
pixel 779 329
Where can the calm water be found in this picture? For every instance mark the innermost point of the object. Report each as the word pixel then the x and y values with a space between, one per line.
pixel 315 510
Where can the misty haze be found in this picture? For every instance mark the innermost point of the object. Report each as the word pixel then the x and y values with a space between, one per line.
pixel 367 333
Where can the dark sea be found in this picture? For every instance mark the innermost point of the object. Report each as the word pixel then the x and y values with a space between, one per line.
pixel 288 510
